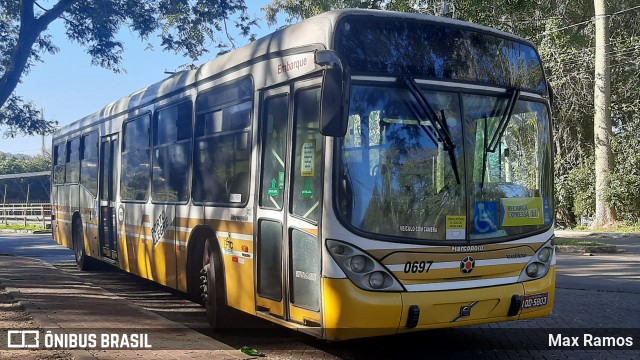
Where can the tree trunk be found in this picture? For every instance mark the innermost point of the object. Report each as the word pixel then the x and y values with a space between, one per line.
pixel 605 214
pixel 30 30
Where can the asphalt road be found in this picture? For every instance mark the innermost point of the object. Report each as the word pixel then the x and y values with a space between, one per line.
pixel 39 246
pixel 598 295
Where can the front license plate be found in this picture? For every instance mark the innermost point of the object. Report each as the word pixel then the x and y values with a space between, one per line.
pixel 535 300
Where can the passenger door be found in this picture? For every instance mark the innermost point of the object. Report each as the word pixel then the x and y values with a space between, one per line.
pixel 107 190
pixel 289 204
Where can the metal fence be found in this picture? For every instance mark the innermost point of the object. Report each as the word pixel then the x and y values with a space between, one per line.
pixel 26 214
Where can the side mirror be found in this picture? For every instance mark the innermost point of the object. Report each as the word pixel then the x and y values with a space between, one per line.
pixel 333 96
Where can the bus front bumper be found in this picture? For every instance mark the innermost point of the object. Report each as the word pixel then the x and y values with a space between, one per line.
pixel 349 312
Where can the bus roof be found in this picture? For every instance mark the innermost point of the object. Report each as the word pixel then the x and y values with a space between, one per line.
pixel 316 30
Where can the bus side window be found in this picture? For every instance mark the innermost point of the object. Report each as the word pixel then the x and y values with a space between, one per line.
pixel 222 146
pixel 58 163
pixel 171 153
pixel 72 171
pixel 89 162
pixel 136 160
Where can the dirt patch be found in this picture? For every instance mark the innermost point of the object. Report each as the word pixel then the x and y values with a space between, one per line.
pixel 13 317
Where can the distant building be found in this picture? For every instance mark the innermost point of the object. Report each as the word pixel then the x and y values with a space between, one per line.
pixel 32 187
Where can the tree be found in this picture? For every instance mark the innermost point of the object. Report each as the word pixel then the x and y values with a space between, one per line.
pixel 605 214
pixel 184 26
pixel 15 165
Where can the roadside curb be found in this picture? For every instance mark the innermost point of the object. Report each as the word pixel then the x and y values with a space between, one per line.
pixel 13 231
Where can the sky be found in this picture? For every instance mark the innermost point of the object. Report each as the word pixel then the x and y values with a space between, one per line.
pixel 68 87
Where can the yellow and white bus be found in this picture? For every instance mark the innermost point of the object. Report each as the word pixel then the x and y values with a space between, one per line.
pixel 359 173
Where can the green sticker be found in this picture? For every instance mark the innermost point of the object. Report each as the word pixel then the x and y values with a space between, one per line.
pixel 273 190
pixel 281 180
pixel 307 191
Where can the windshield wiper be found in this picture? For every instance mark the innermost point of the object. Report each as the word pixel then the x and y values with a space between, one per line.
pixel 497 136
pixel 439 125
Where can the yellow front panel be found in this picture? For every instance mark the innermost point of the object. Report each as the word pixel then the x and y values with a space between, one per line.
pixel 442 308
pixel 546 284
pixel 349 312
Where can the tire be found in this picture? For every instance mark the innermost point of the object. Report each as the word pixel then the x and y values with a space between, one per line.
pixel 194 270
pixel 82 260
pixel 212 287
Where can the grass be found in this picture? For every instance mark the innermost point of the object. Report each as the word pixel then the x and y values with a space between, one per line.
pixel 20 227
pixel 624 227
pixel 581 228
pixel 619 227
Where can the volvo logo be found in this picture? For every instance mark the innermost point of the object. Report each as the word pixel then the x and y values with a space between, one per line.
pixel 467 265
pixel 465 311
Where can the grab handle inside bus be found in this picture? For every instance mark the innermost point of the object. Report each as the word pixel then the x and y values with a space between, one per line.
pixel 334 94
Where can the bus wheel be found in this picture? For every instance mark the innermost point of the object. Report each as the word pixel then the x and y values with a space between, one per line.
pixel 82 260
pixel 212 286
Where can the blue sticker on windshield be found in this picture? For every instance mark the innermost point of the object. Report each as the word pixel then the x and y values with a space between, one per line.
pixel 485 217
pixel 546 211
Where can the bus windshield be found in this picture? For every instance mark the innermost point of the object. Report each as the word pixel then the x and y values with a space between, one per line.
pixel 396 173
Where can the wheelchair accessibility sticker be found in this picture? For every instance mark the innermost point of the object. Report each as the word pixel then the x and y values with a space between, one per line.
pixel 485 217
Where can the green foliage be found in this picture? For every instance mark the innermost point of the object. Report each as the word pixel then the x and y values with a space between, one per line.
pixel 23 117
pixel 297 10
pixel 20 227
pixel 625 181
pixel 14 165
pixel 189 27
pixel 626 227
pixel 575 193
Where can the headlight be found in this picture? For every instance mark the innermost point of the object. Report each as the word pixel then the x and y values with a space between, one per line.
pixel 362 269
pixel 539 263
pixel 376 279
pixel 338 249
pixel 358 263
pixel 544 254
pixel 532 270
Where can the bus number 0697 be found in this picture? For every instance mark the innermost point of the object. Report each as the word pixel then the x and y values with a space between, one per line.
pixel 417 266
